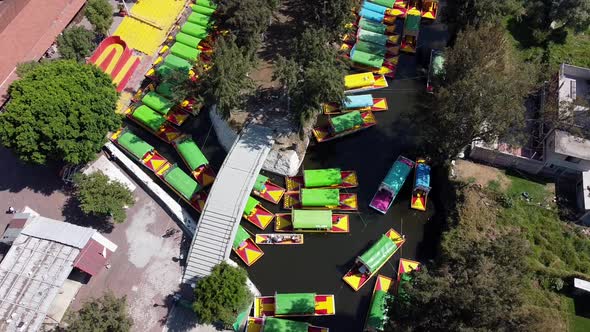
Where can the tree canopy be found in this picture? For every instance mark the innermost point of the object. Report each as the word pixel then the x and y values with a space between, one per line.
pixel 330 14
pixel 75 43
pixel 482 93
pixel 59 111
pixel 472 12
pixel 100 15
pixel 98 195
pixel 222 295
pixel 548 17
pixel 105 314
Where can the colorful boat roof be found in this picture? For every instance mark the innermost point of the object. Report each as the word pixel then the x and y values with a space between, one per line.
pixel 295 304
pixel 182 182
pixel 378 253
pixel 149 117
pixel 241 236
pixel 310 219
pixel 198 18
pixel 376 7
pixel 320 197
pixel 194 30
pixel 346 121
pixel 412 23
pixel 188 40
pixel 135 145
pixel 322 177
pixel 357 101
pixel 176 62
pixel 371 15
pixel 184 51
pixel 397 175
pixel 191 153
pixel 358 80
pixel 378 311
pixel 157 102
pixel 385 3
pixel 371 25
pixel 260 183
pixel 372 37
pixel 165 89
pixel 422 175
pixel 273 324
pixel 203 9
pixel 366 59
pixel 372 48
pixel 251 205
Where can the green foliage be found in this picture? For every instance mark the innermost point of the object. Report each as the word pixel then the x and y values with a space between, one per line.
pixel 482 94
pixel 286 71
pixel 222 295
pixel 105 314
pixel 181 87
pixel 226 83
pixel 463 13
pixel 75 43
pixel 330 14
pixel 100 15
pixel 59 111
pixel 100 196
pixel 24 67
pixel 554 14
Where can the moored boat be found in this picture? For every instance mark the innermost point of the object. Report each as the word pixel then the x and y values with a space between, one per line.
pixel 377 315
pixel 391 185
pixel 421 185
pixel 320 199
pixel 360 82
pixel 317 221
pixel 153 122
pixel 294 304
pixel 403 276
pixel 279 239
pixel 195 160
pixel 322 178
pixel 245 247
pixel 371 261
pixel 429 9
pixel 344 124
pixel 359 103
pixel 409 42
pixel 257 214
pixel 436 69
pixel 273 324
pixel 267 190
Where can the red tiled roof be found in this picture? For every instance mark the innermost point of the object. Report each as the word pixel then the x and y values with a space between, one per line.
pixel 31 33
pixel 91 259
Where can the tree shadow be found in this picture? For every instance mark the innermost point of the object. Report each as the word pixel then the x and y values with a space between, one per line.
pixel 74 215
pixel 17 175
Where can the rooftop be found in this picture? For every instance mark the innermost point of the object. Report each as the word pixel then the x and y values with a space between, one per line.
pixel 571 145
pixel 574 85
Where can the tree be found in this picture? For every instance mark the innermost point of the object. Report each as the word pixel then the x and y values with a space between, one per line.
pixel 59 111
pixel 462 13
pixel 227 80
pixel 222 295
pixel 330 14
pixel 100 196
pixel 75 43
pixel 100 15
pixel 482 94
pixel 105 314
pixel 24 67
pixel 548 17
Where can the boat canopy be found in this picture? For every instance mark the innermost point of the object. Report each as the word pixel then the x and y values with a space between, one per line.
pixel 371 25
pixel 309 219
pixel 378 311
pixel 176 62
pixel 358 80
pixel 438 64
pixel 295 304
pixel 165 89
pixel 357 101
pixel 260 183
pixel 191 153
pixel 251 205
pixel 372 48
pixel 378 253
pixel 366 59
pixel 412 25
pixel 206 3
pixel 372 37
pixel 194 30
pixel 397 175
pixel 322 177
pixel 185 52
pixel 320 197
pixel 188 40
pixel 157 102
pixel 241 236
pixel 346 121
pixel 375 6
pixel 149 117
pixel 371 15
pixel 200 19
pixel 273 324
pixel 384 3
pixel 182 182
pixel 135 145
pixel 198 8
pixel 422 176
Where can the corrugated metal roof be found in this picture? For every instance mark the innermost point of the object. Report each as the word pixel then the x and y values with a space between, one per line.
pixel 91 259
pixel 58 231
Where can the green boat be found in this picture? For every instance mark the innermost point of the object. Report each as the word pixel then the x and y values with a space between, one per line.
pixel 181 182
pixel 157 102
pixel 322 177
pixel 133 144
pixel 320 197
pixel 148 117
pixel 185 52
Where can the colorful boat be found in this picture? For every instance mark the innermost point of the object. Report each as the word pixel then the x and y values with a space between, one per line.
pixel 409 41
pixel 312 221
pixel 372 62
pixel 403 276
pixel 377 13
pixel 322 178
pixel 361 82
pixel 153 122
pixel 267 190
pixel 356 103
pixel 257 214
pixel 320 199
pixel 369 263
pixel 429 9
pixel 294 304
pixel 279 239
pixel 391 185
pixel 194 42
pixel 190 106
pixel 400 8
pixel 377 315
pixel 436 69
pixel 345 124
pixel 421 185
pixel 174 177
pixel 195 160
pixel 245 248
pixel 273 324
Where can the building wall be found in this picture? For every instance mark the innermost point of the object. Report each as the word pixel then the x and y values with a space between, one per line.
pixel 9 9
pixel 495 157
pixel 556 160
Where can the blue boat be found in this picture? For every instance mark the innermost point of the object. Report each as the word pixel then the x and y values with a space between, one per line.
pixel 421 185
